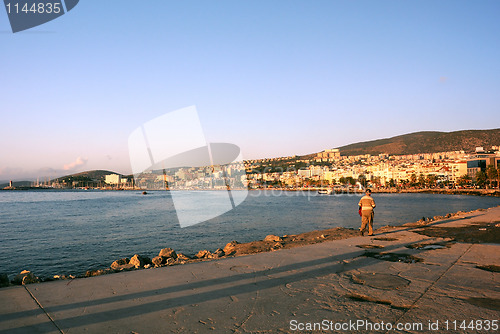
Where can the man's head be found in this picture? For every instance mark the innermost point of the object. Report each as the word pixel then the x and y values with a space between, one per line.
pixel 368 192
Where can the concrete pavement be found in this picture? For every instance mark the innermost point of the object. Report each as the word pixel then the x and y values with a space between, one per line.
pixel 326 286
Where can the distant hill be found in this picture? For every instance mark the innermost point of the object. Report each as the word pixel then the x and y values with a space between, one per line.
pixel 92 175
pixel 426 142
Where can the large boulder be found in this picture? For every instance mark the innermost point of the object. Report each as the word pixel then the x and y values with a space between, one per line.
pixel 230 248
pixel 217 254
pixel 158 261
pixel 122 264
pixel 25 277
pixel 183 257
pixel 119 262
pixel 203 254
pixel 167 252
pixel 4 280
pixel 139 261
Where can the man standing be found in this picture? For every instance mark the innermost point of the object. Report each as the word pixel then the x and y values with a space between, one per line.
pixel 367 204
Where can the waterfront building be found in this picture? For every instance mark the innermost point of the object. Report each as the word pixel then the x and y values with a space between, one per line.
pixel 112 179
pixel 479 162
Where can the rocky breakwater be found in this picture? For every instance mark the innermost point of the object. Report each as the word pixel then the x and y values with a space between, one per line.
pixel 24 277
pixel 169 257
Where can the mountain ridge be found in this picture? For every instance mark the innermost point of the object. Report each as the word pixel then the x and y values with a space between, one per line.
pixel 425 142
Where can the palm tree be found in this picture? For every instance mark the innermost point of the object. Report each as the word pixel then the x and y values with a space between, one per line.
pixel 492 174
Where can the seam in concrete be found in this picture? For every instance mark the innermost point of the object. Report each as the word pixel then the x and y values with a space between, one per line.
pixel 432 285
pixel 44 311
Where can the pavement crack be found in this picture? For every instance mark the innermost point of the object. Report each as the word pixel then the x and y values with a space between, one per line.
pixel 43 309
pixel 432 285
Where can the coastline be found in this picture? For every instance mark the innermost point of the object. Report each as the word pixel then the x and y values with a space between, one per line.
pixel 472 192
pixel 465 191
pixel 169 257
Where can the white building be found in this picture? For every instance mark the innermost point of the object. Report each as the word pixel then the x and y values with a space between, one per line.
pixel 113 179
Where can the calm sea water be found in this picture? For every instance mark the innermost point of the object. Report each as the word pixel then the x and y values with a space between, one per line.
pixel 68 232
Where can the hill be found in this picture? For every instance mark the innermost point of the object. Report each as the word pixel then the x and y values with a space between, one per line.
pixel 92 175
pixel 426 142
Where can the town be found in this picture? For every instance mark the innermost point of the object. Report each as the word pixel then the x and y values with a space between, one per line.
pixel 326 169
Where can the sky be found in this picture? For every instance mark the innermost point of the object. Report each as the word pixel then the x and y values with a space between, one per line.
pixel 276 78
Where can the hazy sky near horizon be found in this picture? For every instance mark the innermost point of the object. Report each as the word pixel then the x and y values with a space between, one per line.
pixel 276 78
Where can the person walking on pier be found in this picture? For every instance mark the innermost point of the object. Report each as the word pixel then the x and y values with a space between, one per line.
pixel 366 204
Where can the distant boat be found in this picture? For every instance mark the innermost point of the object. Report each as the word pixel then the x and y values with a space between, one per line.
pixel 325 191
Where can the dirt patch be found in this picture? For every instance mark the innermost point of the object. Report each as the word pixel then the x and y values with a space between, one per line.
pixel 489 303
pixel 385 239
pixel 380 281
pixel 370 246
pixel 430 246
pixel 394 257
pixel 493 268
pixel 368 299
pixel 475 234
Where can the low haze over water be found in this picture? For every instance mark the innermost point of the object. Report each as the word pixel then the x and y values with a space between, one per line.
pixel 69 232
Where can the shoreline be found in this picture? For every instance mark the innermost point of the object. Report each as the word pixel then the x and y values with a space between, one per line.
pixel 169 257
pixel 441 191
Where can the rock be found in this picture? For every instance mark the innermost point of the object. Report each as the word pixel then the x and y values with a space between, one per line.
pixel 122 264
pixel 277 245
pixel 167 252
pixel 118 263
pixel 183 257
pixel 25 277
pixel 125 267
pixel 217 254
pixel 230 248
pixel 147 266
pixel 202 254
pixel 4 280
pixel 158 261
pixel 170 261
pixel 272 238
pixel 139 261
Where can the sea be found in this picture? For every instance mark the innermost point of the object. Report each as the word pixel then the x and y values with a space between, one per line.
pixel 67 232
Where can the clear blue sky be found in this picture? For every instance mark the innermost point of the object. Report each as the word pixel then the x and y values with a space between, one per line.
pixel 275 77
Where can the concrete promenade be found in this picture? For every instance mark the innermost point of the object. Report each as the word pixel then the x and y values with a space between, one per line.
pixel 331 285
